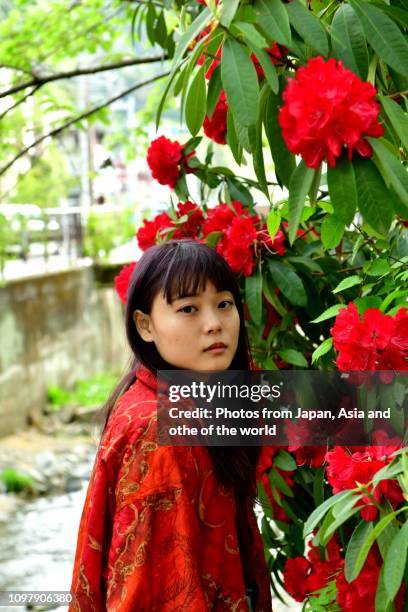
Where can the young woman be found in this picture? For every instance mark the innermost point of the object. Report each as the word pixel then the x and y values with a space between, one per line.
pixel 171 529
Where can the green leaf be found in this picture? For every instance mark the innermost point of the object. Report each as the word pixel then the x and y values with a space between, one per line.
pixel 359 535
pixel 273 19
pixel 253 296
pixel 288 282
pixel 229 8
pixel 397 117
pixel 369 541
pixel 341 518
pixel 189 35
pixel 284 461
pixel 378 267
pixel 238 191
pixel 333 311
pixel 250 34
pixel 160 31
pixel 348 40
pixel 257 158
pixel 383 35
pixel 319 512
pixel 240 82
pixel 273 222
pixel 395 172
pixel 150 22
pixel 332 231
pixel 243 135
pixel 346 283
pixel 308 27
pixel 186 39
pixel 213 238
pixel 398 15
pixel 196 103
pixel 214 90
pixel 293 357
pixel 322 349
pixel 395 560
pixel 343 189
pixel 283 159
pixel 232 138
pixel 300 183
pixel 278 481
pixel 382 602
pixel 374 199
pixel 267 65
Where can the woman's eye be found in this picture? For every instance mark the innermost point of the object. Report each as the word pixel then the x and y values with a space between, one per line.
pixel 186 309
pixel 228 303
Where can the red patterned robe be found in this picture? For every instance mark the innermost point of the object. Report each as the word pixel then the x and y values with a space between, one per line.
pixel 157 531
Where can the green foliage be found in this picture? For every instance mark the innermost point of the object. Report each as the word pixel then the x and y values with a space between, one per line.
pixel 89 392
pixel 47 182
pixel 107 230
pixel 15 481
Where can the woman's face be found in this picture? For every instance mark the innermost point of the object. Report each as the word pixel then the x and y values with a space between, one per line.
pixel 184 330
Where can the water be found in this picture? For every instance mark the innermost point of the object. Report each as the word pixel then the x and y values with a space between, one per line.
pixel 37 545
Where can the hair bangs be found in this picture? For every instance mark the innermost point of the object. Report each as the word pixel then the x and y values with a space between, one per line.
pixel 190 269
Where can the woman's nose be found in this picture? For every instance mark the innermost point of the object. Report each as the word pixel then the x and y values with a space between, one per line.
pixel 211 322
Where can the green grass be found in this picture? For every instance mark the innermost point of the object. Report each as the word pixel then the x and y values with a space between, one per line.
pixel 89 392
pixel 15 481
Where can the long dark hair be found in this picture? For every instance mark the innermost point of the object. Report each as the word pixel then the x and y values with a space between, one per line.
pixel 177 268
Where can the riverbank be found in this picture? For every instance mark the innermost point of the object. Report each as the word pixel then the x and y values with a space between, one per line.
pixel 54 462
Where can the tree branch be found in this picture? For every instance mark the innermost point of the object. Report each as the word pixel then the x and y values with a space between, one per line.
pixel 42 80
pixel 80 117
pixel 20 101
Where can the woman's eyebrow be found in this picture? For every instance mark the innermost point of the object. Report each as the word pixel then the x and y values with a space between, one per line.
pixel 185 295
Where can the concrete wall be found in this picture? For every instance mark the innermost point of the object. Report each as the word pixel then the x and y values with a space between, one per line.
pixel 54 330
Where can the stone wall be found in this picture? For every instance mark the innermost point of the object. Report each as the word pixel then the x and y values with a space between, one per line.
pixel 54 330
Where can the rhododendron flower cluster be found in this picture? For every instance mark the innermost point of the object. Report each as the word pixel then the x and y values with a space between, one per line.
pixel 360 593
pixel 240 235
pixel 122 281
pixel 303 575
pixel 165 158
pixel 374 342
pixel 328 107
pixel 215 127
pixel 349 468
pixel 152 231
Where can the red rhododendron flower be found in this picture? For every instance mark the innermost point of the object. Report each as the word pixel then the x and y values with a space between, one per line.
pixel 323 570
pixel 375 342
pixel 276 244
pixel 220 217
pixel 122 281
pixel 147 235
pixel 304 575
pixel 213 64
pixel 236 246
pixel 295 576
pixel 215 127
pixel 360 593
pixel 191 227
pixel 277 54
pixel 327 107
pixel 313 456
pixel 347 470
pixel 164 157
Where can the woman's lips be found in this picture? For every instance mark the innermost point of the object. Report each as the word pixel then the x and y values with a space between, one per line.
pixel 216 349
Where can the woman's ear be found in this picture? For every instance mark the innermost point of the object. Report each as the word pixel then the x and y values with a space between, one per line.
pixel 142 322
